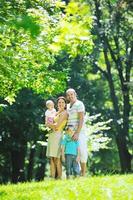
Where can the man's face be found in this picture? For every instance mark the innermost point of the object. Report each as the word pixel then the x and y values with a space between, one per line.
pixel 71 97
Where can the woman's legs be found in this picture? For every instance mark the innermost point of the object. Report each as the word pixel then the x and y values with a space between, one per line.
pixel 55 166
pixel 59 167
pixel 52 167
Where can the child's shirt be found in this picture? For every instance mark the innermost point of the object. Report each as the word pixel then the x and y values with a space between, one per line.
pixel 71 146
pixel 50 114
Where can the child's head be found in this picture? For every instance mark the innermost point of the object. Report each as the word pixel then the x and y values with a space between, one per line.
pixel 50 104
pixel 69 130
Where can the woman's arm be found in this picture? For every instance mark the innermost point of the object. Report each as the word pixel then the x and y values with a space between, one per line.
pixel 62 117
pixel 63 153
pixel 50 125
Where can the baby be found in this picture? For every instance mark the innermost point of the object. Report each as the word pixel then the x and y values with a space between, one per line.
pixel 50 112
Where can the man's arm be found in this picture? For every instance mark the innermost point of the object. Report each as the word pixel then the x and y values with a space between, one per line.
pixel 80 124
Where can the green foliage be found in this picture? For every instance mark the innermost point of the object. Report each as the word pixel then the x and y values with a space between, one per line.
pixel 43 45
pixel 73 30
pixel 19 131
pixel 98 188
pixel 25 34
pixel 97 137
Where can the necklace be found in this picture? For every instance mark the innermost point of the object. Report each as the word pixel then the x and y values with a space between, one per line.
pixel 71 104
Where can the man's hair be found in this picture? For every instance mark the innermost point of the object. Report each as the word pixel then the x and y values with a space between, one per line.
pixel 71 90
pixel 48 102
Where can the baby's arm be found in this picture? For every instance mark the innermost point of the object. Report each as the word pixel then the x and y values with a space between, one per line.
pixel 46 120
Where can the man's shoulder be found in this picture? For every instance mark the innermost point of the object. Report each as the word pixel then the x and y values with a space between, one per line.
pixel 79 103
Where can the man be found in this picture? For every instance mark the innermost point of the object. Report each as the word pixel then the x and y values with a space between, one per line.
pixel 76 113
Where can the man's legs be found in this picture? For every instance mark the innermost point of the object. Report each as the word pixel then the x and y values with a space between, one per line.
pixel 83 169
pixel 83 152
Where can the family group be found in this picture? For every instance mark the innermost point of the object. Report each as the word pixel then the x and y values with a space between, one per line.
pixel 67 141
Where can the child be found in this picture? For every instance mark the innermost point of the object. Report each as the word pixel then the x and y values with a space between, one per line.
pixel 50 112
pixel 70 153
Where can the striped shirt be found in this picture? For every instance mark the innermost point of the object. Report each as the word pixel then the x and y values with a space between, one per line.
pixel 73 111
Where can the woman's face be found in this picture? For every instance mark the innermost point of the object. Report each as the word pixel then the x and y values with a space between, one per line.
pixel 71 96
pixel 61 104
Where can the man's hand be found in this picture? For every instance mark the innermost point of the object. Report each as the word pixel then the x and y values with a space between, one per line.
pixel 78 159
pixel 75 136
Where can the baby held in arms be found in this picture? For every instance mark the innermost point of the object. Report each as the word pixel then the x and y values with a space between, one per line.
pixel 50 112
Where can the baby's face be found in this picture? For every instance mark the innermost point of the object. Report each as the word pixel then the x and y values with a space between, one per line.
pixel 50 106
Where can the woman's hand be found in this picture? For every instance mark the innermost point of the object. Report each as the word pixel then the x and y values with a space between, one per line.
pixel 52 126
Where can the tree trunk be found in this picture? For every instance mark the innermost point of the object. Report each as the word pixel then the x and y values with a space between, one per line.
pixel 17 160
pixel 122 132
pixel 42 167
pixel 125 157
pixel 30 166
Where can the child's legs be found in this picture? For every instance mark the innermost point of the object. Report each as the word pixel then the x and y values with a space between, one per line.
pixel 68 161
pixel 58 167
pixel 75 166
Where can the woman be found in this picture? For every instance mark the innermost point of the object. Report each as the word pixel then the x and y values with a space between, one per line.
pixel 54 139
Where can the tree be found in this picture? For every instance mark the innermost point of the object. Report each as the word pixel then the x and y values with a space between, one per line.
pixel 20 133
pixel 114 46
pixel 111 57
pixel 27 29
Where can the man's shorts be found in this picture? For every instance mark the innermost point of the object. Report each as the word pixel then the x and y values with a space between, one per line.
pixel 83 147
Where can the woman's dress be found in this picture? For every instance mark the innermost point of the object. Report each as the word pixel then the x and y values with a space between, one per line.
pixel 54 140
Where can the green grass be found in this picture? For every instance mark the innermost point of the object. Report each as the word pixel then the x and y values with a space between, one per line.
pixel 118 187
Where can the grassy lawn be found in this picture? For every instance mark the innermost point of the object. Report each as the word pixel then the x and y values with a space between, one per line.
pixel 118 187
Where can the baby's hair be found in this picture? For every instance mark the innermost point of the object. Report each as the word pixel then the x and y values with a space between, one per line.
pixel 48 102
